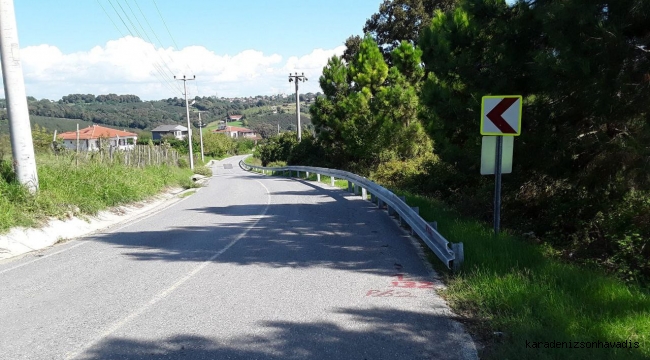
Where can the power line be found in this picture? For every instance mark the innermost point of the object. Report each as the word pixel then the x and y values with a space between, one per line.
pixel 170 34
pixel 172 86
pixel 148 38
pixel 152 30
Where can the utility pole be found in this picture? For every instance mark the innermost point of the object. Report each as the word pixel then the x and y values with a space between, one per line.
pixel 298 78
pixel 189 126
pixel 20 130
pixel 201 126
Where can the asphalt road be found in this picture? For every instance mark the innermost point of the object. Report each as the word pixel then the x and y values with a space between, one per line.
pixel 249 267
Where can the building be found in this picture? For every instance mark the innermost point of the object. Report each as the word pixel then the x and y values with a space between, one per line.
pixel 177 131
pixel 234 117
pixel 237 132
pixel 94 137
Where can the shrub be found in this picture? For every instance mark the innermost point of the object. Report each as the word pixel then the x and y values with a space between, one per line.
pixel 203 170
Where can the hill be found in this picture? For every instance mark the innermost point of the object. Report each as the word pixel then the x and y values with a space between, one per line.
pixel 130 112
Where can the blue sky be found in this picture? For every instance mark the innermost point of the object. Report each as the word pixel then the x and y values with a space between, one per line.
pixel 234 47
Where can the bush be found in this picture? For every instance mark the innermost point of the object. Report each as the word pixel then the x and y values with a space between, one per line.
pixel 403 174
pixel 203 170
pixel 277 164
pixel 183 163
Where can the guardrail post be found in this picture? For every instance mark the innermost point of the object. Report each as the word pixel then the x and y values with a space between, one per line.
pixel 357 189
pixel 350 187
pixel 364 194
pixel 417 211
pixel 459 256
pixel 401 221
pixel 373 198
pixel 391 212
pixel 380 203
pixel 318 177
pixel 332 180
pixel 307 175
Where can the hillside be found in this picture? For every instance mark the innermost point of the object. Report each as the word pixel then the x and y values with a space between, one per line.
pixel 131 113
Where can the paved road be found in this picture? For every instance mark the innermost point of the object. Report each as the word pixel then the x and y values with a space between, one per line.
pixel 250 267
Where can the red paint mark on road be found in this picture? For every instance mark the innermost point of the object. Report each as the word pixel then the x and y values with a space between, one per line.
pixel 400 283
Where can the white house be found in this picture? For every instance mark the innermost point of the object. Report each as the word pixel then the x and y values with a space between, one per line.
pixel 237 132
pixel 90 137
pixel 178 131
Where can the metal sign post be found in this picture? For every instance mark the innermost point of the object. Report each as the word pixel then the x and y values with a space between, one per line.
pixel 500 116
pixel 497 185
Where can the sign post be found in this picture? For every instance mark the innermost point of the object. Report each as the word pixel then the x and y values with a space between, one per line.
pixel 497 185
pixel 500 116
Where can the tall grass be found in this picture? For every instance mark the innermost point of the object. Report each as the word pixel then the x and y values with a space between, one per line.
pixel 516 291
pixel 86 189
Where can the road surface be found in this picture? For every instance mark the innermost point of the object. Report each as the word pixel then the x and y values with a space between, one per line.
pixel 249 267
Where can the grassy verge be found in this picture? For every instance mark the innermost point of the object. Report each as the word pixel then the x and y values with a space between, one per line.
pixel 86 189
pixel 252 160
pixel 514 293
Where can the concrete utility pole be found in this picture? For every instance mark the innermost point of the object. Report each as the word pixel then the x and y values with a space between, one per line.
pixel 20 130
pixel 201 126
pixel 189 126
pixel 298 78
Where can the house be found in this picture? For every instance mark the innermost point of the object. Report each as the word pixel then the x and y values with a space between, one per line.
pixel 178 131
pixel 94 137
pixel 234 117
pixel 237 132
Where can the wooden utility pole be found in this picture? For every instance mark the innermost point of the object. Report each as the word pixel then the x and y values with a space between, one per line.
pixel 298 78
pixel 20 130
pixel 189 126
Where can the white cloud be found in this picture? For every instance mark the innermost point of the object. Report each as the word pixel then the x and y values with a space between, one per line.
pixel 133 66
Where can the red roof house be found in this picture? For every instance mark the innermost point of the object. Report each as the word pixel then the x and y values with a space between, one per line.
pixel 90 137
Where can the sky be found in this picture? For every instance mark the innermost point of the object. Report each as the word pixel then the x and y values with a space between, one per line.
pixel 235 48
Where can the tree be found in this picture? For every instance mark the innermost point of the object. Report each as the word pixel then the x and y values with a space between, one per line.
pixel 583 71
pixel 369 112
pixel 402 20
pixel 351 48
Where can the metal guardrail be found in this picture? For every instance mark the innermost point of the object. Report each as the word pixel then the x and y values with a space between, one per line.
pixel 451 254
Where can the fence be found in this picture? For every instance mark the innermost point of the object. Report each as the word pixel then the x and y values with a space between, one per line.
pixel 451 254
pixel 139 156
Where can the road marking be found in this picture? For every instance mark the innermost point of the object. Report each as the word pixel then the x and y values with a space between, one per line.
pixel 116 326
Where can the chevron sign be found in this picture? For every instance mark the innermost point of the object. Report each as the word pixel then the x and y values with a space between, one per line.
pixel 501 115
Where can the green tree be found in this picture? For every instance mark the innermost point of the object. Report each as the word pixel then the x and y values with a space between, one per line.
pixel 583 71
pixel 369 112
pixel 402 20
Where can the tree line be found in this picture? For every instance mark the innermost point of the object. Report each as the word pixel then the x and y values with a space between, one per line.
pixel 129 111
pixel 403 103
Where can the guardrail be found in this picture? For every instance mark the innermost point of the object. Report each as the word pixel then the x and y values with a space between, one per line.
pixel 451 254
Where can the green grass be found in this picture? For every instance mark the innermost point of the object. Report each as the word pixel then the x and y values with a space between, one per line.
pixel 518 288
pixel 86 189
pixel 252 160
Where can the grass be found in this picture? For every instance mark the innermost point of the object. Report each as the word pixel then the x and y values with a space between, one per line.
pixel 519 289
pixel 512 293
pixel 86 189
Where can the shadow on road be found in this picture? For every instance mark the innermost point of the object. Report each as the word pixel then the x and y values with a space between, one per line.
pixel 370 336
pixel 333 232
